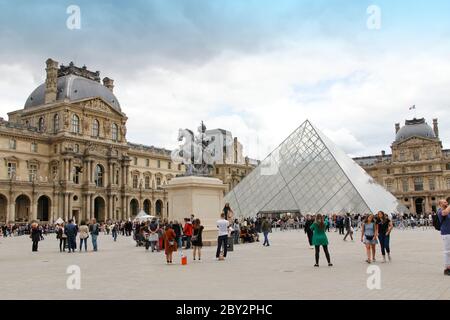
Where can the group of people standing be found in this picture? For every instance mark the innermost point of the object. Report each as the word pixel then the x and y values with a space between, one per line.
pixel 67 235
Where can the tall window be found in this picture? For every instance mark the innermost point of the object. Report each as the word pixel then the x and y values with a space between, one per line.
pixel 447 166
pixel 32 172
pixel 405 185
pixel 135 181
pixel 416 155
pixel 389 185
pixel 11 170
pixel 159 163
pixel 114 132
pixel 169 165
pixel 135 161
pixel 56 123
pixel 76 174
pixel 418 184
pixel 75 124
pixel 448 183
pixel 12 144
pixel 158 182
pixel 432 183
pixel 95 128
pixel 117 176
pixel 99 176
pixel 76 148
pixel 147 162
pixel 34 147
pixel 41 124
pixel 147 182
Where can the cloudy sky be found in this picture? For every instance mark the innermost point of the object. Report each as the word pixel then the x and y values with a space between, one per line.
pixel 258 68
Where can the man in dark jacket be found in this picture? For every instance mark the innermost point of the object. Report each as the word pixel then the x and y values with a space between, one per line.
pixel 71 231
pixel 309 221
pixel 348 227
pixel 265 227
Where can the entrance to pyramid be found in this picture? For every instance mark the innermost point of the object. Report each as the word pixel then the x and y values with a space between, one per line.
pixel 309 174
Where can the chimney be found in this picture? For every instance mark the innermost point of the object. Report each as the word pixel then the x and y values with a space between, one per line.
pixel 435 128
pixel 383 153
pixel 109 83
pixel 397 127
pixel 51 81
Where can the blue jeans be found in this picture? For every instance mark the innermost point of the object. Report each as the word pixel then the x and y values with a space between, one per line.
pixel 266 239
pixel 180 243
pixel 94 241
pixel 114 235
pixel 384 243
pixel 85 244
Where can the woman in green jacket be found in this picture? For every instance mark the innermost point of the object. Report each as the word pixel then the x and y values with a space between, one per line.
pixel 320 238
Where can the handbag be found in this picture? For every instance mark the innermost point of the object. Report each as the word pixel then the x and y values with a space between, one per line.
pixel 194 238
pixel 171 242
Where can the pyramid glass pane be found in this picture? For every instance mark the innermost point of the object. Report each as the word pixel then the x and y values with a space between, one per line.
pixel 310 174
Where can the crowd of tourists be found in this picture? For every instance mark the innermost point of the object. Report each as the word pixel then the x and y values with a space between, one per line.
pixel 160 234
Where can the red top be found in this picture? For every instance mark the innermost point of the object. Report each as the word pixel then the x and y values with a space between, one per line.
pixel 188 229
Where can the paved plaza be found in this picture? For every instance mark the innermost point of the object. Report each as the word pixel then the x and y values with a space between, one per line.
pixel 282 271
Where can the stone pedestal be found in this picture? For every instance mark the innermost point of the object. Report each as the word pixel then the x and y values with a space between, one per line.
pixel 200 196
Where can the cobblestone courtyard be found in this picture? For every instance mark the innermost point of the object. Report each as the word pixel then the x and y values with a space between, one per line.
pixel 282 271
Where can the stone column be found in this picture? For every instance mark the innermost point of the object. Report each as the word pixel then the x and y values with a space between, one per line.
pixel 66 207
pixel 34 207
pixel 109 213
pixel 91 179
pixel 92 206
pixel 70 203
pixel 70 170
pixel 12 210
pixel 88 171
pixel 127 207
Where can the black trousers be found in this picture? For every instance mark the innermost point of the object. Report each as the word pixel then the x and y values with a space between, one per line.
pixel 35 246
pixel 62 244
pixel 309 233
pixel 222 240
pixel 327 254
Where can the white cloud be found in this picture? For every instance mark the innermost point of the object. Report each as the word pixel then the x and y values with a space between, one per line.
pixel 351 93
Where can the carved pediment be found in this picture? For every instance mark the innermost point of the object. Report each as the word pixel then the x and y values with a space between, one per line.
pixel 414 141
pixel 12 159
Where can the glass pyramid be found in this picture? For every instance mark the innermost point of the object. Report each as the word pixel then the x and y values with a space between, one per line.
pixel 310 174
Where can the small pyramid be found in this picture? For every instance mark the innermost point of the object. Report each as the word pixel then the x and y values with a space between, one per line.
pixel 308 173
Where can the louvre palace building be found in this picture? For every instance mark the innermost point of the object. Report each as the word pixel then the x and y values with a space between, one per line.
pixel 65 154
pixel 417 172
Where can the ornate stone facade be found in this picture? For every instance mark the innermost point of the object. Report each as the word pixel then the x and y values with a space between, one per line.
pixel 69 157
pixel 418 170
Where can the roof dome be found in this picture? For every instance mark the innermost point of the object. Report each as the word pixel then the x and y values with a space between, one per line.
pixel 73 87
pixel 415 128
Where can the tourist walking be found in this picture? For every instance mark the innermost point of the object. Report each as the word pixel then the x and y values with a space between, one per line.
pixel 265 228
pixel 197 238
pixel 84 235
pixel 60 234
pixel 153 236
pixel 115 231
pixel 384 226
pixel 309 221
pixel 369 234
pixel 237 231
pixel 178 232
pixel 222 239
pixel 170 244
pixel 71 231
pixel 444 220
pixel 35 235
pixel 348 227
pixel 94 229
pixel 320 238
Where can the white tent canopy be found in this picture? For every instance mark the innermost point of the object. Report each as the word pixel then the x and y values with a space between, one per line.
pixel 143 216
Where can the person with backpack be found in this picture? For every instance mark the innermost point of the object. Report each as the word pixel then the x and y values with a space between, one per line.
pixel 94 229
pixel 348 227
pixel 443 224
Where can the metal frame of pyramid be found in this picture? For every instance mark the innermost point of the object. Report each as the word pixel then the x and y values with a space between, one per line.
pixel 307 172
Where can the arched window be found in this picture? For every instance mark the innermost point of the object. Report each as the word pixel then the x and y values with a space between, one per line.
pixel 41 124
pixel 56 123
pixel 114 132
pixel 147 182
pixel 99 176
pixel 95 128
pixel 75 124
